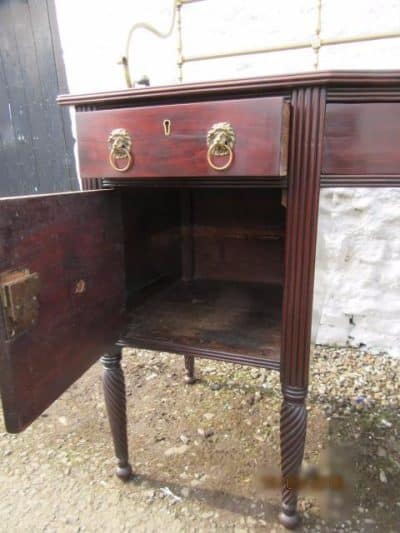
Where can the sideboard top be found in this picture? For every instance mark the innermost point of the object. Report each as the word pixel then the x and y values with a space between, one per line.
pixel 360 79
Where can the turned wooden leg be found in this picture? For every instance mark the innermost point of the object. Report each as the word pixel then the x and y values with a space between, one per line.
pixel 293 435
pixel 189 367
pixel 115 400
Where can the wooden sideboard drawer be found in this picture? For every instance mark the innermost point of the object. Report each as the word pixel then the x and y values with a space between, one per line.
pixel 362 139
pixel 175 140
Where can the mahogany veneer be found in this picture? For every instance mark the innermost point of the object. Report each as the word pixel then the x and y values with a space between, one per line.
pixel 183 258
pixel 261 126
pixel 362 139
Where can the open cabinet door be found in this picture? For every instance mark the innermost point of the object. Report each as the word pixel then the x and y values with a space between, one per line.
pixel 62 294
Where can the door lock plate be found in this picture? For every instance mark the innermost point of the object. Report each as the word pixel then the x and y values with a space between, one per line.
pixel 19 291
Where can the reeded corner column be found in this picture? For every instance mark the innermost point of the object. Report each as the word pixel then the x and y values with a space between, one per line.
pixel 189 370
pixel 293 427
pixel 306 142
pixel 115 400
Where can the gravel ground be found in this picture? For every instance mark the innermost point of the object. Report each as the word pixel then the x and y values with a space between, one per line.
pixel 200 452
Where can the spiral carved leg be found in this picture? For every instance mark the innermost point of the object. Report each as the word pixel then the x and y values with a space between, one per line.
pixel 293 435
pixel 115 400
pixel 189 367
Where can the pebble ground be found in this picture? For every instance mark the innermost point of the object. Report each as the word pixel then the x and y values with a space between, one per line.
pixel 201 452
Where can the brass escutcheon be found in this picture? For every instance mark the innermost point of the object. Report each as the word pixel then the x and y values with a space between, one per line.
pixel 167 127
pixel 120 144
pixel 220 141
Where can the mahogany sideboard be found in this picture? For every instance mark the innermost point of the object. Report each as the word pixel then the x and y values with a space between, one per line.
pixel 195 234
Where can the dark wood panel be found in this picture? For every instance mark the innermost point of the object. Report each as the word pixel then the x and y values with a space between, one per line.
pixel 152 236
pixel 261 127
pixel 184 183
pixel 363 94
pixel 362 139
pixel 238 235
pixel 241 319
pixel 197 351
pixel 360 180
pixel 260 86
pixel 187 234
pixel 301 234
pixel 65 239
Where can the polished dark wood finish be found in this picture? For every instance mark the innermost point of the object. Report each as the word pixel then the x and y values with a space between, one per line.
pixel 293 427
pixel 360 180
pixel 363 94
pixel 301 235
pixel 375 164
pixel 115 400
pixel 215 266
pixel 271 182
pixel 362 139
pixel 73 242
pixel 356 80
pixel 260 124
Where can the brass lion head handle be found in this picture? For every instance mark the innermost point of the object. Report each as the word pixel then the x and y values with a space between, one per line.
pixel 120 145
pixel 220 141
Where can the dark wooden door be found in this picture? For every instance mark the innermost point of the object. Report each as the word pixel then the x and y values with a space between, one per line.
pixel 62 294
pixel 36 144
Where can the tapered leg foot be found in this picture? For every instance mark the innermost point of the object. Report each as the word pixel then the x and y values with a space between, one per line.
pixel 115 400
pixel 289 518
pixel 124 472
pixel 293 435
pixel 189 368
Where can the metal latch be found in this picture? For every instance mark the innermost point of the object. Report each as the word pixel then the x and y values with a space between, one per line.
pixel 19 290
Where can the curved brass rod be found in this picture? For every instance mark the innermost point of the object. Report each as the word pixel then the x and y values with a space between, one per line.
pixel 144 26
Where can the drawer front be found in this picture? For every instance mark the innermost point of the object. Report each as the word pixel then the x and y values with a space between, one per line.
pixel 186 140
pixel 362 139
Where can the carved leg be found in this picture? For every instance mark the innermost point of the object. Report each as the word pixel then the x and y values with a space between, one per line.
pixel 293 435
pixel 189 366
pixel 115 400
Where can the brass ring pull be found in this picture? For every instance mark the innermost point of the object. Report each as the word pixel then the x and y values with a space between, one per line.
pixel 120 144
pixel 113 158
pixel 220 141
pixel 210 155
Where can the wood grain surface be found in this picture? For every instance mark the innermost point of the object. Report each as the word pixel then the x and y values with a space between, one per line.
pixel 74 242
pixel 362 139
pixel 260 124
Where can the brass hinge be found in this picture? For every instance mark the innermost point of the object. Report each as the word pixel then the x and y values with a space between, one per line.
pixel 19 290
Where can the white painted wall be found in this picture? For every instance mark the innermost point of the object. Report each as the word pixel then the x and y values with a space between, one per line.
pixel 358 264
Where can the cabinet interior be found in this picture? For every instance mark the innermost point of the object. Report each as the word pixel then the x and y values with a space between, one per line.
pixel 205 270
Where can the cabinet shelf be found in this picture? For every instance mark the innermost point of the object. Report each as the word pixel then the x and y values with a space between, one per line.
pixel 228 320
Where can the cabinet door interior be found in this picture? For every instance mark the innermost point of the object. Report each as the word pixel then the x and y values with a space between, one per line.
pixel 63 294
